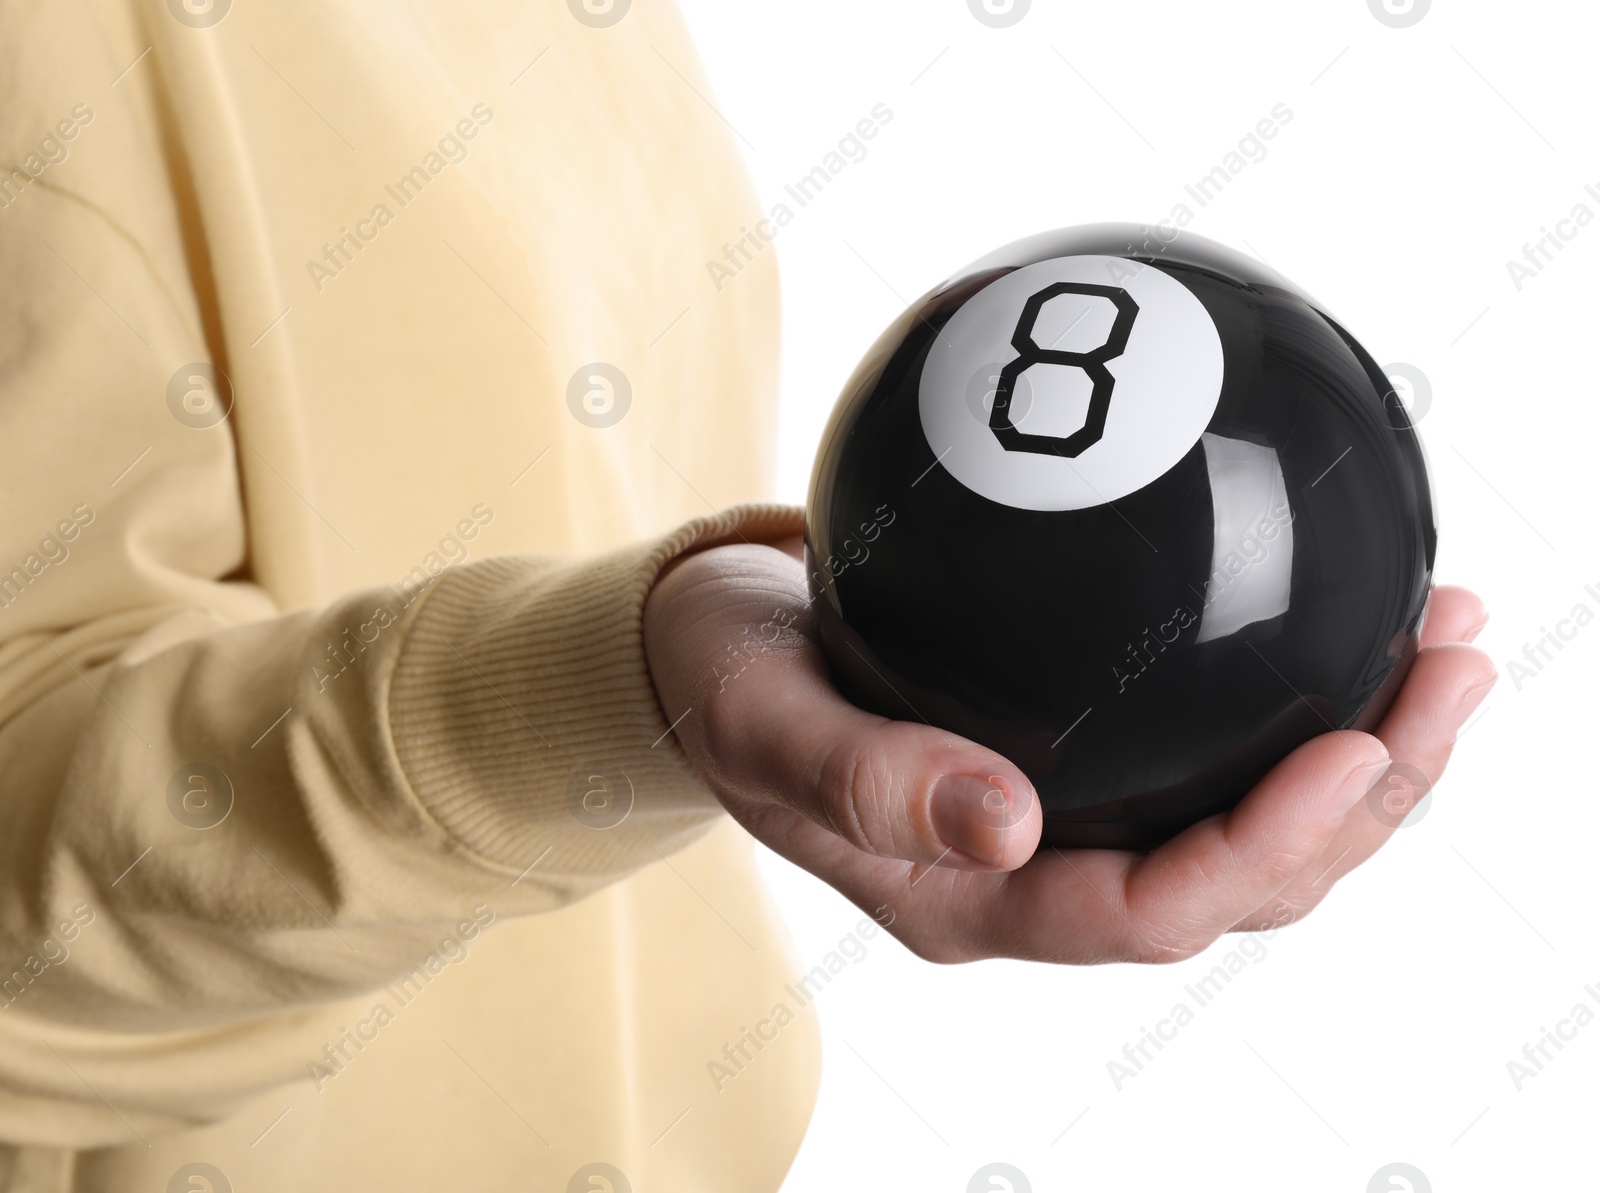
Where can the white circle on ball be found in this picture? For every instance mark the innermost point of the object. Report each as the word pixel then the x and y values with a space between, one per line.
pixel 1166 382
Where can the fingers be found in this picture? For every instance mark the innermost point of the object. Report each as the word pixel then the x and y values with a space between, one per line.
pixel 1081 906
pixel 1172 903
pixel 1203 881
pixel 1454 615
pixel 1447 683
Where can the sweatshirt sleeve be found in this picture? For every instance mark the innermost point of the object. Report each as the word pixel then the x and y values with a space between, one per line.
pixel 258 816
pixel 217 811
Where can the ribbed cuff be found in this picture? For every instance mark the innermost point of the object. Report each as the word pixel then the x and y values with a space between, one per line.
pixel 524 716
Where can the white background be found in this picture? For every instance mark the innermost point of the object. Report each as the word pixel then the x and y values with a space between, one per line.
pixel 1418 161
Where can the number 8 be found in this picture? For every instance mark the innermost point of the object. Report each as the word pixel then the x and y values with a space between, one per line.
pixel 1093 364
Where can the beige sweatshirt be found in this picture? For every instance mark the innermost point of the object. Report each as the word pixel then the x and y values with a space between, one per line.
pixel 345 844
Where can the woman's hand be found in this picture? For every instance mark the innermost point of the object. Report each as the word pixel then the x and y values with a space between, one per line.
pixel 936 836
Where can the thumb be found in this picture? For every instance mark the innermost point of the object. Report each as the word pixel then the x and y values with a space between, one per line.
pixel 891 788
pixel 779 733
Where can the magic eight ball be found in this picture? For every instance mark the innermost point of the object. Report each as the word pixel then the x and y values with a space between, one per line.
pixel 1132 510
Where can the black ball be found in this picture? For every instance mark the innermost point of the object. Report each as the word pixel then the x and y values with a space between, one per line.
pixel 1129 508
